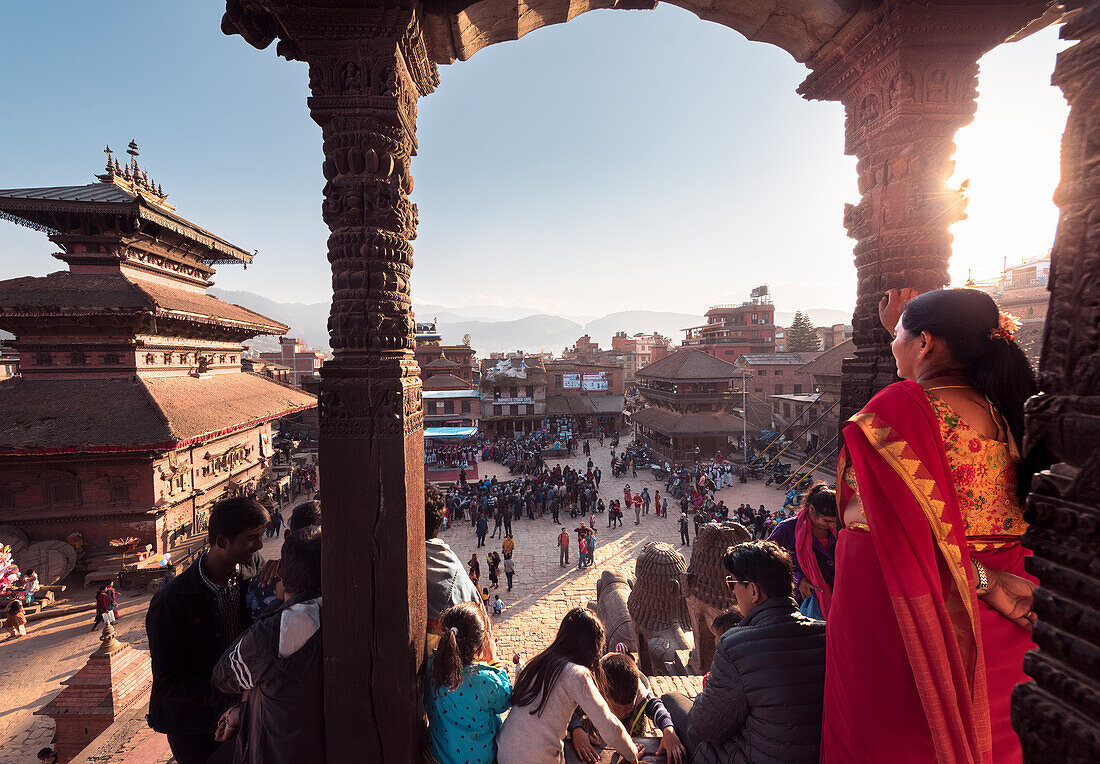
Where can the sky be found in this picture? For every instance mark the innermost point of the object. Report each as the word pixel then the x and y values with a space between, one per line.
pixel 622 161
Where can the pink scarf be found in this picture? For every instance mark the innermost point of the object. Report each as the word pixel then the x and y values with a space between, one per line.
pixel 807 560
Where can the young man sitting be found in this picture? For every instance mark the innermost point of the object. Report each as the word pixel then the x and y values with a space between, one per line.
pixel 630 699
pixel 763 696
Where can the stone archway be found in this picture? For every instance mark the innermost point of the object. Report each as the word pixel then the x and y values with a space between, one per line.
pixel 906 71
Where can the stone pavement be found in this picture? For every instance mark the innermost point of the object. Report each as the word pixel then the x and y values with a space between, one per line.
pixel 543 591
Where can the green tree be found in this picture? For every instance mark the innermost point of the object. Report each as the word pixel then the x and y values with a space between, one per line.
pixel 801 337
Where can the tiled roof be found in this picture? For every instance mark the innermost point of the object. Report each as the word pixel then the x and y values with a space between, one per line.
pixel 828 363
pixel 65 292
pixel 689 364
pixel 93 192
pixel 105 415
pixel 776 359
pixel 445 382
pixel 442 363
pixel 672 423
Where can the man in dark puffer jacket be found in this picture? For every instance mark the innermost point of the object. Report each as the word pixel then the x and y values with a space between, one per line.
pixel 762 699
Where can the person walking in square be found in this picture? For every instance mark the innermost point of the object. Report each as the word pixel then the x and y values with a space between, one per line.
pixel 563 547
pixel 685 528
pixel 509 570
pixel 582 550
pixel 645 501
pixel 508 546
pixel 482 529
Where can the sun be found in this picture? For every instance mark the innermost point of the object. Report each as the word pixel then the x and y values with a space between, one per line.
pixel 1009 160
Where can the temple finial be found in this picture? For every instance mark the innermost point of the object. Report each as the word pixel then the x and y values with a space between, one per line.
pixel 109 154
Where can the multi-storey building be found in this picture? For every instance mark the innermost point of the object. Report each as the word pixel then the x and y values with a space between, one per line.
pixel 584 399
pixel 131 415
pixel 734 330
pixel 436 358
pixel 513 396
pixel 689 395
pixel 302 361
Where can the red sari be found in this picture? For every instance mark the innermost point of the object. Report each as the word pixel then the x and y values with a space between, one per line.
pixel 917 668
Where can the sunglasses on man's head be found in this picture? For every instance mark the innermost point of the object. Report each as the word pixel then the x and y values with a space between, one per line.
pixel 730 581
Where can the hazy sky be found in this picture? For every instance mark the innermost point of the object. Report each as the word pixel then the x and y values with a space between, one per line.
pixel 624 160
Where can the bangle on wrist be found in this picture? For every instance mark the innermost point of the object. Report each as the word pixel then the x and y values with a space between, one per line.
pixel 982 587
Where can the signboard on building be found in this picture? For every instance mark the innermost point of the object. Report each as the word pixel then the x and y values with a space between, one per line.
pixel 513 401
pixel 596 381
pixel 571 381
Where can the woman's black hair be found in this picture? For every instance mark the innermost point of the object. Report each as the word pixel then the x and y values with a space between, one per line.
pixel 822 500
pixel 461 646
pixel 967 320
pixel 579 640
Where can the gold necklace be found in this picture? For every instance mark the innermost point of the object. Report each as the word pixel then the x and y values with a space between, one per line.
pixel 950 387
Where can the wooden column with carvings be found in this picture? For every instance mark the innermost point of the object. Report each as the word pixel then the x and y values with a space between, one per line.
pixel 907 76
pixel 367 68
pixel 1058 715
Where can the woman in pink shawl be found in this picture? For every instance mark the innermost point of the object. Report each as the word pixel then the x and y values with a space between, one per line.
pixel 810 539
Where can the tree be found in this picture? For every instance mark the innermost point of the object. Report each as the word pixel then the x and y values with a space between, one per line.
pixel 801 337
pixel 466 340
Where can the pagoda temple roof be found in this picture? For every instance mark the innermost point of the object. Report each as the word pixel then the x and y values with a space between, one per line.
pixel 115 194
pixel 687 365
pixel 445 382
pixel 137 414
pixel 66 294
pixel 672 423
pixel 443 362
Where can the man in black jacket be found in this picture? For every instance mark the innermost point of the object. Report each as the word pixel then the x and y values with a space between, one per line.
pixel 762 699
pixel 193 620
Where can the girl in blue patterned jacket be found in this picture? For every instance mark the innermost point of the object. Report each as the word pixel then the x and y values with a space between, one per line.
pixel 468 689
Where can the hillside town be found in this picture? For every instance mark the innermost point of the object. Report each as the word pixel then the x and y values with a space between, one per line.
pixel 752 528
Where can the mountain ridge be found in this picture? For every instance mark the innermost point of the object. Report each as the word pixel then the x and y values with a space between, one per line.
pixel 531 332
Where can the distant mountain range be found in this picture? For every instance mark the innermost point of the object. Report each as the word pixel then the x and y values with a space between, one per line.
pixel 493 329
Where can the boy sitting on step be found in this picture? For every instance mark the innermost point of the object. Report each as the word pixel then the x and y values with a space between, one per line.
pixel 628 696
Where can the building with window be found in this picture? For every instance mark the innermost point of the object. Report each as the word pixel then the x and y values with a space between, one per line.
pixel 513 396
pixel 776 373
pixel 733 330
pixel 452 408
pixel 436 358
pixel 689 396
pixel 293 354
pixel 131 415
pixel 584 399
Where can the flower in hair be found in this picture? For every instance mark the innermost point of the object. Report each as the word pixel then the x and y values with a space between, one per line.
pixel 454 630
pixel 1006 327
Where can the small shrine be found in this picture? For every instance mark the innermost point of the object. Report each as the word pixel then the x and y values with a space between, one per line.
pixel 131 414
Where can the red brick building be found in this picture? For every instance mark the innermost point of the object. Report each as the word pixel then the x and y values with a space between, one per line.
pixel 689 395
pixel 131 415
pixel 734 330
pixel 436 358
pixel 301 360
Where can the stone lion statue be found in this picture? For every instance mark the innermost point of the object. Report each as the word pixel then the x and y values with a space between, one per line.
pixel 659 612
pixel 612 592
pixel 704 585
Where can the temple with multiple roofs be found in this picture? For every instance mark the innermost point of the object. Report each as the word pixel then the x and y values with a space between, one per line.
pixel 131 414
pixel 689 395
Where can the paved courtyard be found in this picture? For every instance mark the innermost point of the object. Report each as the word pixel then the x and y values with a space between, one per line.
pixel 542 590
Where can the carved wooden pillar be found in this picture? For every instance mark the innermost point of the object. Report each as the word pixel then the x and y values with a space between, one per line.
pixel 367 68
pixel 908 79
pixel 1058 715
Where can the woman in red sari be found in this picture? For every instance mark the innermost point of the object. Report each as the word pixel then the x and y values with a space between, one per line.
pixel 931 609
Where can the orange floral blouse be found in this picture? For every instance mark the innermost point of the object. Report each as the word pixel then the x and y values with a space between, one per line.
pixel 984 472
